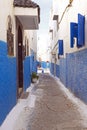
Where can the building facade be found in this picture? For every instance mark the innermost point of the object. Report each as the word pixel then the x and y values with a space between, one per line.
pixel 67 30
pixel 19 20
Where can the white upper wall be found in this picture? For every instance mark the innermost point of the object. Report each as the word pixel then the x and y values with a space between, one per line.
pixel 6 8
pixel 33 40
pixel 31 36
pixel 70 15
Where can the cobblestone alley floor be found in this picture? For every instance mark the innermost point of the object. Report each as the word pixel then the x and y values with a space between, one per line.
pixel 53 110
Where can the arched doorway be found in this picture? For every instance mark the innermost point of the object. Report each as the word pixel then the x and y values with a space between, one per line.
pixel 20 61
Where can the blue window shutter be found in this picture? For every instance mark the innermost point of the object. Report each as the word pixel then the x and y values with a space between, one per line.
pixel 81 30
pixel 60 42
pixel 73 33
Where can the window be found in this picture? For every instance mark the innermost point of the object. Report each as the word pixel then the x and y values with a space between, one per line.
pixel 77 30
pixel 81 30
pixel 60 47
pixel 73 33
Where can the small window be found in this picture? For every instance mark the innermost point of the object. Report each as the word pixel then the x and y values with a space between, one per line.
pixel 73 33
pixel 81 30
pixel 60 47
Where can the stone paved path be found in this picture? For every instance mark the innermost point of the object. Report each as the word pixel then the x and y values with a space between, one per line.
pixel 52 111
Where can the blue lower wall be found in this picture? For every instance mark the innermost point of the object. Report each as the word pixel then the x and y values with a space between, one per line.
pixel 72 72
pixel 57 71
pixel 27 73
pixel 45 65
pixel 8 79
pixel 33 65
pixel 52 68
pixel 7 82
pixel 77 73
pixel 63 71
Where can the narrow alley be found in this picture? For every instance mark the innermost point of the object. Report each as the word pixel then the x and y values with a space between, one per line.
pixel 52 109
pixel 43 65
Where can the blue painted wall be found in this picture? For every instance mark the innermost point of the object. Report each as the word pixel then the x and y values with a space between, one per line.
pixel 7 82
pixel 38 64
pixel 33 65
pixel 8 79
pixel 57 71
pixel 44 64
pixel 72 72
pixel 52 68
pixel 77 73
pixel 63 71
pixel 27 74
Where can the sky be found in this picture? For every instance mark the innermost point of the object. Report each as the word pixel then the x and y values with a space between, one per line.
pixel 45 7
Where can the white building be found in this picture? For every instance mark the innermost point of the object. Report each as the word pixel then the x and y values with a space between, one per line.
pixel 19 20
pixel 68 26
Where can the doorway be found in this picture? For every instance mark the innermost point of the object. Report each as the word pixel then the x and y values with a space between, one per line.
pixel 20 62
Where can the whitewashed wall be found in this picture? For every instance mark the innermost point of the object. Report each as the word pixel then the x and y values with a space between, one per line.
pixel 33 40
pixel 77 7
pixel 70 15
pixel 6 9
pixel 31 36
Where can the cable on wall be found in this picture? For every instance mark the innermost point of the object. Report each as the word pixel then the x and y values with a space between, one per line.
pixel 69 5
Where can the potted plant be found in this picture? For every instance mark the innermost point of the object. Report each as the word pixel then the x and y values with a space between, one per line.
pixel 34 77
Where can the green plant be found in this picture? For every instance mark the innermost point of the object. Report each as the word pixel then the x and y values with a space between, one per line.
pixel 34 76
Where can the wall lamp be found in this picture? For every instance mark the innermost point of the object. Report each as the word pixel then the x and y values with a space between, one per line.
pixel 70 2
